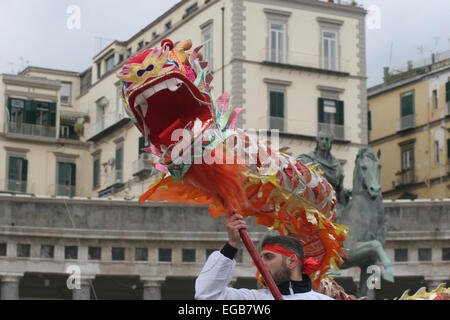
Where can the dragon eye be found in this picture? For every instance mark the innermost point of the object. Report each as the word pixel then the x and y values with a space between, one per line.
pixel 142 71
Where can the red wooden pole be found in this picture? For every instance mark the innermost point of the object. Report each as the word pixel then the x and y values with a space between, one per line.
pixel 259 264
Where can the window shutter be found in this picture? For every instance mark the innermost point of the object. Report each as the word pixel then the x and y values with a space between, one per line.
pixel 53 114
pixel 277 104
pixel 24 169
pixel 73 174
pixel 9 107
pixel 321 110
pixel 448 149
pixel 447 91
pixel 340 113
pixel 369 120
pixel 30 112
pixel 119 153
pixel 141 145
pixel 13 163
pixel 96 173
pixel 407 105
pixel 62 174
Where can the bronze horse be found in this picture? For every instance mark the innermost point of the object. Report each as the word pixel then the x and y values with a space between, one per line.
pixel 364 215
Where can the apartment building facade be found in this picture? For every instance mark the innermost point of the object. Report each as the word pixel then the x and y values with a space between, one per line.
pixel 410 124
pixel 297 66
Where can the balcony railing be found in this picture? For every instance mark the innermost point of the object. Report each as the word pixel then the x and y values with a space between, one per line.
pixel 301 127
pixel 17 186
pixel 106 123
pixel 33 130
pixel 143 165
pixel 406 176
pixel 406 122
pixel 114 177
pixel 277 123
pixel 65 190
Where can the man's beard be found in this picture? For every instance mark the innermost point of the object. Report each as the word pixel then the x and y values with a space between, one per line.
pixel 282 275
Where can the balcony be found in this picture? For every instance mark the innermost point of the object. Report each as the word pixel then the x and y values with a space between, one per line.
pixel 406 122
pixel 405 176
pixel 17 186
pixel 32 130
pixel 143 166
pixel 65 190
pixel 104 127
pixel 301 127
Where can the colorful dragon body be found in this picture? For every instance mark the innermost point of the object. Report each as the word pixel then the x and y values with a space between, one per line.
pixel 205 159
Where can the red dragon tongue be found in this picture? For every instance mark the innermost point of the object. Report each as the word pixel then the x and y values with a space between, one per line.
pixel 166 135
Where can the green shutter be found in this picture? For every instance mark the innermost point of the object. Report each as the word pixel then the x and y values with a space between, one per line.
pixel 340 112
pixel 369 120
pixel 30 112
pixel 447 91
pixel 73 174
pixel 321 111
pixel 407 105
pixel 62 174
pixel 53 114
pixel 119 154
pixel 96 172
pixel 141 145
pixel 9 107
pixel 13 166
pixel 277 104
pixel 448 149
pixel 24 169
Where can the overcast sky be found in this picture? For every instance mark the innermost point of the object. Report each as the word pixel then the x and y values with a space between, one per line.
pixel 36 31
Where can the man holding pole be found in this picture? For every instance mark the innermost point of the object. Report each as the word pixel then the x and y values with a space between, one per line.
pixel 281 255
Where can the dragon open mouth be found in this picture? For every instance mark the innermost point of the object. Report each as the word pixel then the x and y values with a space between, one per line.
pixel 168 103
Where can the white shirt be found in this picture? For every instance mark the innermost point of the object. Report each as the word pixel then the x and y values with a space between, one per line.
pixel 212 284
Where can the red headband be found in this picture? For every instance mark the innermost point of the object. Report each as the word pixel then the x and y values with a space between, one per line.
pixel 311 265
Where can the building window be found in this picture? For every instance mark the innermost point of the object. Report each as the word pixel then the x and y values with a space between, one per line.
pixel 23 250
pixel 94 253
pixel 207 45
pixel 436 152
pixel 47 251
pixel 118 254
pixel 400 255
pixel 168 25
pixel 140 45
pixel 2 249
pixel 66 93
pixel 17 174
pixel 435 99
pixel 188 255
pixel 109 63
pixel 277 45
pixel 331 117
pixel 447 93
pixel 16 110
pixel 277 109
pixel 154 35
pixel 71 253
pixel 42 113
pixel 141 254
pixel 164 255
pixel 445 254
pixel 407 172
pixel 424 254
pixel 128 52
pixel 119 162
pixel 96 175
pixel 191 9
pixel 407 111
pixel 329 50
pixel 99 70
pixel 66 179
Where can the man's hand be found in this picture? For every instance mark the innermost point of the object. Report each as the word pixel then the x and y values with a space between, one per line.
pixel 233 224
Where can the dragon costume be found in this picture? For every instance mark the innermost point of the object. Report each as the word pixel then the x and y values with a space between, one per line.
pixel 205 159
